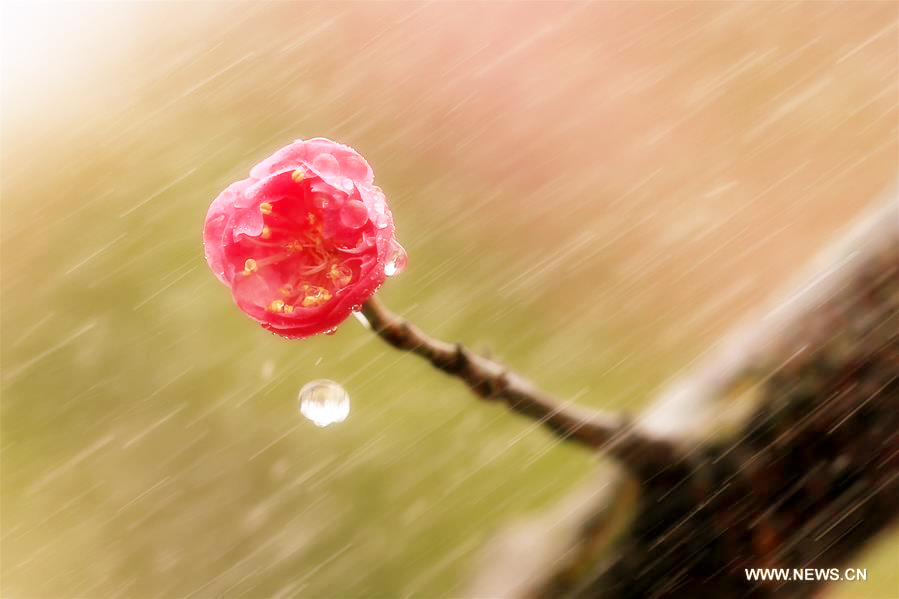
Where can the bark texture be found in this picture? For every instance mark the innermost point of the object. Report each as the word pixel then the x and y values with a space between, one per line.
pixel 781 451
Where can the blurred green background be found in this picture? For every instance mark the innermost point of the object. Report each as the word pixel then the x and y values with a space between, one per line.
pixel 591 192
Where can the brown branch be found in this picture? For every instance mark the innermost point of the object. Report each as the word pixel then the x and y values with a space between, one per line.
pixel 492 381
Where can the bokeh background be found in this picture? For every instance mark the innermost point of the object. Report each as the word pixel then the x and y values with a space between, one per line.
pixel 592 192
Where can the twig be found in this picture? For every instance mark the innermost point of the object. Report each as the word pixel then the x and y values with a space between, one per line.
pixel 492 381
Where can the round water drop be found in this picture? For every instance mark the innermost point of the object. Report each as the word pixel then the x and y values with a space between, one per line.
pixel 380 219
pixel 326 164
pixel 320 200
pixel 355 167
pixel 396 259
pixel 353 214
pixel 324 402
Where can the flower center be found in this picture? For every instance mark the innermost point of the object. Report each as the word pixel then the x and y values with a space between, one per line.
pixel 293 256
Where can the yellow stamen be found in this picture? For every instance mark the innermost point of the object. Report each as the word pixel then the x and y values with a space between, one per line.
pixel 279 307
pixel 266 232
pixel 265 208
pixel 340 274
pixel 314 296
pixel 249 267
pixel 298 175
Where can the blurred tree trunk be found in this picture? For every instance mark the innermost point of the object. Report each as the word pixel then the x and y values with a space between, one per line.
pixel 782 451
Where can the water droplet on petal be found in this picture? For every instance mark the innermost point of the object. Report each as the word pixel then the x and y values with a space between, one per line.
pixel 326 164
pixel 396 259
pixel 324 402
pixel 353 214
pixel 320 200
pixel 380 218
pixel 347 184
pixel 314 296
pixel 340 275
pixel 354 167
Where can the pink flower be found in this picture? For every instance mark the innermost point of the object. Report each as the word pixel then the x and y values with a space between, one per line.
pixel 305 240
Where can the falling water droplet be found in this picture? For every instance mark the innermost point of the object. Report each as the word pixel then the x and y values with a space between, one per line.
pixel 396 259
pixel 324 402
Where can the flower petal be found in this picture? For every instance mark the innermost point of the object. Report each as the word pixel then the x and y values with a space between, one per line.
pixel 218 219
pixel 332 161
